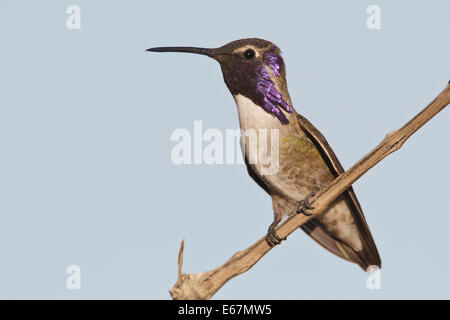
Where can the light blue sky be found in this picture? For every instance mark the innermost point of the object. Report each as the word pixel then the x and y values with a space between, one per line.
pixel 85 124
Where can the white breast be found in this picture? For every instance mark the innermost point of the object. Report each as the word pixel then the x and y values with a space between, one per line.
pixel 252 116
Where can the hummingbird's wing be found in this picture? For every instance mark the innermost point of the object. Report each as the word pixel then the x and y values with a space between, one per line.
pixel 369 254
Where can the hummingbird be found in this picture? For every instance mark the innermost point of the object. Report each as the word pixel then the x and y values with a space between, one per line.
pixel 255 74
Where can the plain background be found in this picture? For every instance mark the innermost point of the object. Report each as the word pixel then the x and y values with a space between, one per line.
pixel 85 122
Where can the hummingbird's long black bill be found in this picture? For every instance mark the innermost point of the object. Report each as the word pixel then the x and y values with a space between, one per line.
pixel 203 51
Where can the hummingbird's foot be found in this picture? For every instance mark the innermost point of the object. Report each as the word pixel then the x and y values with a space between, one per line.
pixel 272 237
pixel 304 205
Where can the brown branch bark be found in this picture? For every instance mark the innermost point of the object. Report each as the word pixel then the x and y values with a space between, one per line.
pixel 205 284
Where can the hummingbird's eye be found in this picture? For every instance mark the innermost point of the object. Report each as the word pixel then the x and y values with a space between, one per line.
pixel 249 53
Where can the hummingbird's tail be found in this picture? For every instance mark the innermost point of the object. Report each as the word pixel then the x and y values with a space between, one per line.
pixel 362 252
pixel 365 258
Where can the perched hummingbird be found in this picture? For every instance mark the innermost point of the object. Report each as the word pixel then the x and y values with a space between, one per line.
pixel 255 74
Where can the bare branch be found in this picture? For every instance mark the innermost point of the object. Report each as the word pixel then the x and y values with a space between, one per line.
pixel 205 284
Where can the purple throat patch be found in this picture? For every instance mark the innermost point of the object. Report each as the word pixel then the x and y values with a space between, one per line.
pixel 272 97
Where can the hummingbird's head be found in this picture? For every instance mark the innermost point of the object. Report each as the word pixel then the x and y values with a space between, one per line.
pixel 253 68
